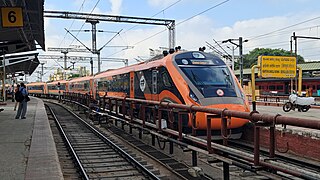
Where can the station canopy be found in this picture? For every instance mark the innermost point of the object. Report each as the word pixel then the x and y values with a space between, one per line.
pixel 24 63
pixel 21 34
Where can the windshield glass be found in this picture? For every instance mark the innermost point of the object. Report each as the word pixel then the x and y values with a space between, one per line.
pixel 212 81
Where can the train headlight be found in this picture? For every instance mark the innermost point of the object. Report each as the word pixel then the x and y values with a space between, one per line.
pixel 193 96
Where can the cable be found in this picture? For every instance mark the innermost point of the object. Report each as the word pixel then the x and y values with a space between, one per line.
pixel 155 14
pixel 212 7
pixel 312 19
pixel 151 17
pixel 285 32
pixel 85 22
pixel 222 48
pixel 65 35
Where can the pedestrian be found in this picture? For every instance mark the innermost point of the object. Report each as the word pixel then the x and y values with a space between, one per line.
pixel 12 92
pixel 15 92
pixel 22 110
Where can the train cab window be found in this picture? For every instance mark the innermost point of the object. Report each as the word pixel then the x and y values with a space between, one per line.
pixel 210 79
pixel 166 80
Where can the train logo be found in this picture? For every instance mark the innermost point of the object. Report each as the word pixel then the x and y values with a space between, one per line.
pixel 220 92
pixel 142 83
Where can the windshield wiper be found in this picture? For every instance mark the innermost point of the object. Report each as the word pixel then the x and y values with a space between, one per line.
pixel 227 77
pixel 196 78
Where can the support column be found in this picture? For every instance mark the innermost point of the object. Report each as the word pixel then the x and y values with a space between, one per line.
pixel 241 61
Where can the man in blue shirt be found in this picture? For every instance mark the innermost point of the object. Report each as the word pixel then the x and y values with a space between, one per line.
pixel 22 110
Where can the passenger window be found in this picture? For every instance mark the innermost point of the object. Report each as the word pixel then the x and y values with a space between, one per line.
pixel 279 87
pixel 272 88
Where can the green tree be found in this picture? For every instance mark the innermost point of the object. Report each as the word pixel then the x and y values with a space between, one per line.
pixel 252 57
pixel 74 76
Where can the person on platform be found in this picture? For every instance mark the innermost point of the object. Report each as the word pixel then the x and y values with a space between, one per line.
pixel 17 103
pixel 22 110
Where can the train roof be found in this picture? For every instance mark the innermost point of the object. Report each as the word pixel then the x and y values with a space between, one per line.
pixel 35 83
pixel 56 82
pixel 81 79
pixel 137 67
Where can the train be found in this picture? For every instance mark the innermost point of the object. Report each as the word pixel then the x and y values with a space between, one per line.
pixel 184 77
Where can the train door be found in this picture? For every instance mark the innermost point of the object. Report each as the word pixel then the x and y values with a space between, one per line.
pixel 154 91
pixel 132 84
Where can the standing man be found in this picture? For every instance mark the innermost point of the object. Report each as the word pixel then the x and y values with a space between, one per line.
pixel 22 110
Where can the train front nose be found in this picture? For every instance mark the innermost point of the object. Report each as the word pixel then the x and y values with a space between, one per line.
pixel 201 118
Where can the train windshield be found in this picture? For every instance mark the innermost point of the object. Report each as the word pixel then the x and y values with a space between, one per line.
pixel 212 81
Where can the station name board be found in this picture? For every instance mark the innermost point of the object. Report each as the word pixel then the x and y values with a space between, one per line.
pixel 277 67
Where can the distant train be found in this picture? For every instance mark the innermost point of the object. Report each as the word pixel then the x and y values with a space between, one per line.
pixel 192 78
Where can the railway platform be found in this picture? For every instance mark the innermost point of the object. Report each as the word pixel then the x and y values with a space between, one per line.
pixel 27 149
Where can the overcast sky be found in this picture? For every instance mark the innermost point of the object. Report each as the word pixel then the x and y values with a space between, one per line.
pixel 265 23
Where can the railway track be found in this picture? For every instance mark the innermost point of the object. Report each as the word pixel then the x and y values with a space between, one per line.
pixel 67 165
pixel 309 167
pixel 97 157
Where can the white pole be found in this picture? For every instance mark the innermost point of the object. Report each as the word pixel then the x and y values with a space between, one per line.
pixel 233 58
pixel 4 78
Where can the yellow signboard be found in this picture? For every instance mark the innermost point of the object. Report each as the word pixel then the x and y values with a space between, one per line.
pixel 277 67
pixel 11 17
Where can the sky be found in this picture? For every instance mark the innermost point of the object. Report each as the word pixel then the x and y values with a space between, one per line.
pixel 264 23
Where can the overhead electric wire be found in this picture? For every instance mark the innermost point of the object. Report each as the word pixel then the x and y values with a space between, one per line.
pixel 285 32
pixel 65 35
pixel 151 17
pixel 85 22
pixel 155 14
pixel 221 47
pixel 287 27
pixel 212 7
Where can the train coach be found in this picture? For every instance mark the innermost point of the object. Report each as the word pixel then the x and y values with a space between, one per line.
pixel 83 85
pixel 192 78
pixel 57 87
pixel 37 88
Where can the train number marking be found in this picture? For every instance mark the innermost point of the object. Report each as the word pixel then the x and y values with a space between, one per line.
pixel 12 17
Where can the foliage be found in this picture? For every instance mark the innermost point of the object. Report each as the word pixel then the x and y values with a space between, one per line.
pixel 252 57
pixel 74 76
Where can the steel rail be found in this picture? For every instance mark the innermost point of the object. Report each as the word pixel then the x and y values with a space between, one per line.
pixel 267 162
pixel 255 117
pixel 74 154
pixel 116 147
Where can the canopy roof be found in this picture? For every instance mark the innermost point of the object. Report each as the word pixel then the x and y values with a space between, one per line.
pixel 21 33
pixel 21 63
pixel 20 39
